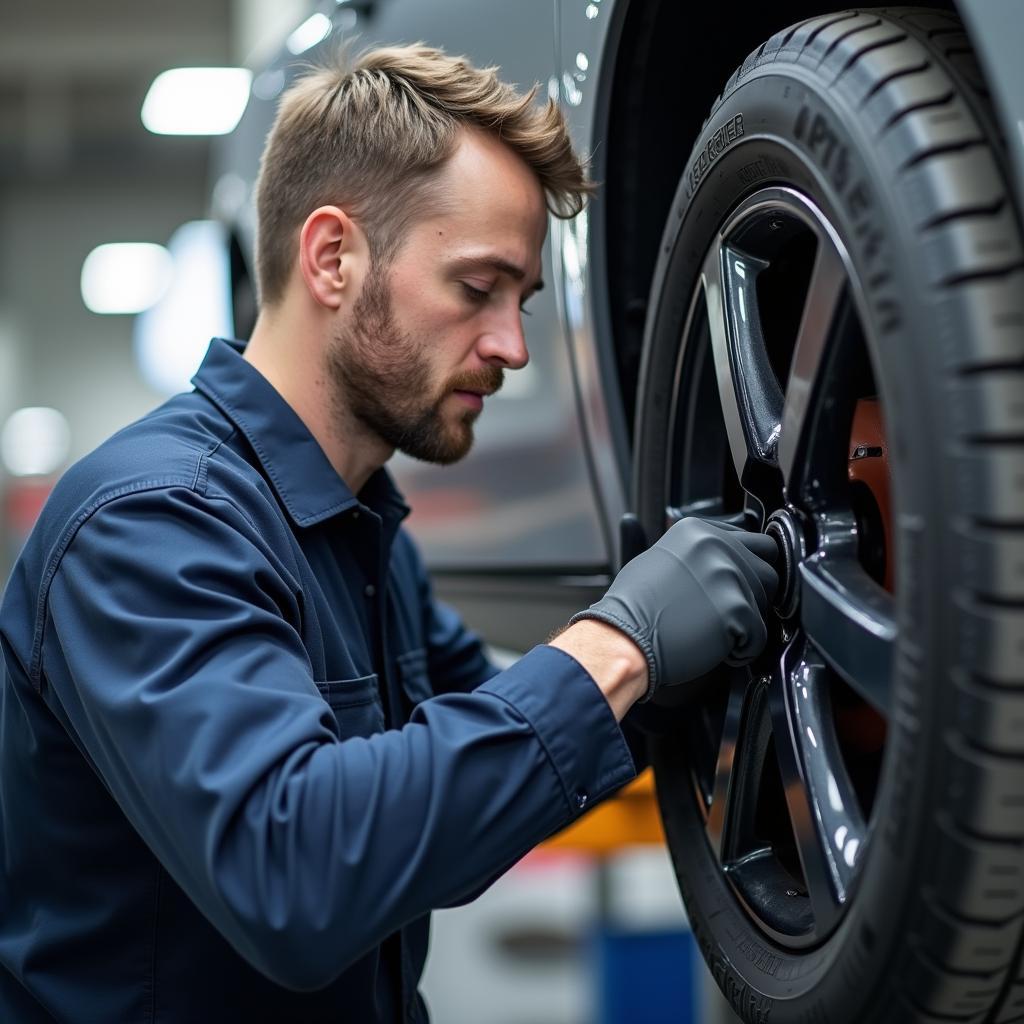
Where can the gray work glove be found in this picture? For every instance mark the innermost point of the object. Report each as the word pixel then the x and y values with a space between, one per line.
pixel 695 599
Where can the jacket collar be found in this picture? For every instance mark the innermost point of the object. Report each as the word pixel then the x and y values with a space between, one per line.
pixel 305 481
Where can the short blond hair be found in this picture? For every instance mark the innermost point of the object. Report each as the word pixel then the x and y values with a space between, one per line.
pixel 369 135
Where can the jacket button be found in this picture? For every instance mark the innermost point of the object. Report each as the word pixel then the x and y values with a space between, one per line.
pixel 369 590
pixel 582 798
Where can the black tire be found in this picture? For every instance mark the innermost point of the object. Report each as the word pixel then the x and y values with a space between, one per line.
pixel 877 122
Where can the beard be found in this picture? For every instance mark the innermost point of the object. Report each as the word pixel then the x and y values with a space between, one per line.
pixel 380 375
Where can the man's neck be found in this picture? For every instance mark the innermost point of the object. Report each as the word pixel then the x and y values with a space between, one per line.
pixel 290 355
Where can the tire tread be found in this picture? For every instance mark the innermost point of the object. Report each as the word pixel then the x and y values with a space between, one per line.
pixel 912 81
pixel 938 94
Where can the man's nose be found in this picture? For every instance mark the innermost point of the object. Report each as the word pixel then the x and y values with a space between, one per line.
pixel 505 344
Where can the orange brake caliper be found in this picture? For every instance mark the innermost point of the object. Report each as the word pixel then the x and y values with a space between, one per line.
pixel 861 729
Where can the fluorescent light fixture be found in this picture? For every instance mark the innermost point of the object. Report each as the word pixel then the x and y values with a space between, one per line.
pixel 35 442
pixel 171 338
pixel 196 101
pixel 313 30
pixel 125 277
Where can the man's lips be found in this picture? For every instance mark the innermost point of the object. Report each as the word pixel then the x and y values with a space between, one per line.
pixel 474 399
pixel 472 388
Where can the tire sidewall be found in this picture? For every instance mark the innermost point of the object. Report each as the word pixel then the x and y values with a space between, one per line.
pixel 781 126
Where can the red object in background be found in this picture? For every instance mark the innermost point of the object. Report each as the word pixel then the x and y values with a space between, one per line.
pixel 23 501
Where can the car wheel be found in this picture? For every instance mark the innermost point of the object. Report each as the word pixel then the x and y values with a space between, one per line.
pixel 835 355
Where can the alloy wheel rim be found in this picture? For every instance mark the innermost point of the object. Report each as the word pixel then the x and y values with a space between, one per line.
pixel 772 364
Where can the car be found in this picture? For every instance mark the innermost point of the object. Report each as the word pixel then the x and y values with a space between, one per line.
pixel 795 305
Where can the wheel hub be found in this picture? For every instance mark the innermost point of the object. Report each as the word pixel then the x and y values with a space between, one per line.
pixel 783 528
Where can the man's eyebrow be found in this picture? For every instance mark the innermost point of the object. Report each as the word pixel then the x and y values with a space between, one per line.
pixel 503 266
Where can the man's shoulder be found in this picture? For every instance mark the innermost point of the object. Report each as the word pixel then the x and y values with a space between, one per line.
pixel 165 448
pixel 174 485
pixel 185 444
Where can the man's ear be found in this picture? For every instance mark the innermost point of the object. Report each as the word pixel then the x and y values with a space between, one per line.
pixel 332 251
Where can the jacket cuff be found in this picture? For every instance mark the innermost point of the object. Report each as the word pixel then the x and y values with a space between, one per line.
pixel 574 723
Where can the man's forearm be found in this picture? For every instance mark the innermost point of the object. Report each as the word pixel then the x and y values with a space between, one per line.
pixel 616 664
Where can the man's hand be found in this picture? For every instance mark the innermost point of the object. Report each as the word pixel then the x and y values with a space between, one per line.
pixel 695 599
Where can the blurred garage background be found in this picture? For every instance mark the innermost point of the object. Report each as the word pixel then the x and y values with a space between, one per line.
pixel 556 940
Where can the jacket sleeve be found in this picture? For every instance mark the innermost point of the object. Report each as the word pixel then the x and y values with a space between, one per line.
pixel 171 653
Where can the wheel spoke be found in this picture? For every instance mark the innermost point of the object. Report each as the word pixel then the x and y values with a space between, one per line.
pixel 851 621
pixel 748 389
pixel 699 440
pixel 723 767
pixel 745 736
pixel 829 829
pixel 757 388
pixel 826 289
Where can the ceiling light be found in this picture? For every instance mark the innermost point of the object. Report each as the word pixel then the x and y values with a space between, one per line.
pixel 171 338
pixel 196 101
pixel 313 30
pixel 35 442
pixel 125 277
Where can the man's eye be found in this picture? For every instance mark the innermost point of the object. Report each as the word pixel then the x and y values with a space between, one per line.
pixel 478 295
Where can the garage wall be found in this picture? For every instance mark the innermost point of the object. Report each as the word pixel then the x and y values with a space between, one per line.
pixel 61 354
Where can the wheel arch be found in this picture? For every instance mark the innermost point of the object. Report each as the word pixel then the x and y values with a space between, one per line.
pixel 639 163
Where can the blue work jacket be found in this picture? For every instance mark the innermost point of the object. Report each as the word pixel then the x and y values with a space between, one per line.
pixel 243 751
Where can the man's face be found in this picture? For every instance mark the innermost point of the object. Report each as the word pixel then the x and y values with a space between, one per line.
pixel 430 336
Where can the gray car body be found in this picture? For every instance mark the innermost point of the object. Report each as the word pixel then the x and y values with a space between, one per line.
pixel 523 532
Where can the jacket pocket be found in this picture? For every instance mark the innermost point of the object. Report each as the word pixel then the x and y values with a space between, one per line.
pixel 356 705
pixel 412 670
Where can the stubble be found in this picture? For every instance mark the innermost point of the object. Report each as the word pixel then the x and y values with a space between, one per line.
pixel 380 375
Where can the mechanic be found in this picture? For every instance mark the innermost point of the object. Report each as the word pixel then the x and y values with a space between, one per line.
pixel 244 750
